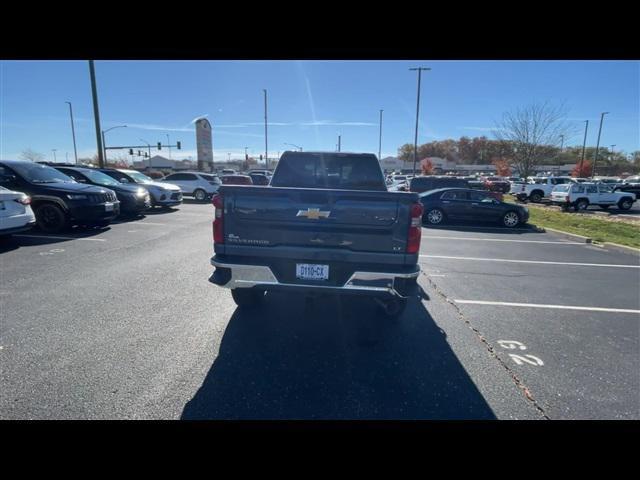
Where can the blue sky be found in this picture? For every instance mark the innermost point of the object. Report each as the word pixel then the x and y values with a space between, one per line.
pixel 310 102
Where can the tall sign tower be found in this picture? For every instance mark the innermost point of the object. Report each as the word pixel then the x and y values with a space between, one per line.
pixel 204 144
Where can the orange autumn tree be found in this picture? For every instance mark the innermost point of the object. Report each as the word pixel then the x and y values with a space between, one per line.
pixel 502 168
pixel 426 166
pixel 583 172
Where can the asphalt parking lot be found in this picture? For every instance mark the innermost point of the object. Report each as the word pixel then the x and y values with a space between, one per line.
pixel 121 323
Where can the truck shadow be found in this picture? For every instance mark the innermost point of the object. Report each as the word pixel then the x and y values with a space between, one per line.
pixel 334 359
pixel 482 227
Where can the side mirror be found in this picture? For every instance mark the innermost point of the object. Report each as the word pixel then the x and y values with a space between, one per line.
pixel 124 180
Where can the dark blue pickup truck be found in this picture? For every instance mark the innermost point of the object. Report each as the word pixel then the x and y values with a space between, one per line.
pixel 326 223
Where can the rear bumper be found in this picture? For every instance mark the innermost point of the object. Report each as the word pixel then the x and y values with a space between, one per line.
pixel 239 275
pixel 18 229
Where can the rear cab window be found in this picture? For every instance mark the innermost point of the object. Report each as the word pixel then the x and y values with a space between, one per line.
pixel 334 171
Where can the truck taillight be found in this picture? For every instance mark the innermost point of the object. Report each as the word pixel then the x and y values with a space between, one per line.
pixel 415 228
pixel 218 222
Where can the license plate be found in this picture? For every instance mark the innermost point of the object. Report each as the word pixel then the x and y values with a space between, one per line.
pixel 306 271
pixel 108 207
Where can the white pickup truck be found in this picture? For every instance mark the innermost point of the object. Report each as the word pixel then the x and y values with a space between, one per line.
pixel 581 195
pixel 538 188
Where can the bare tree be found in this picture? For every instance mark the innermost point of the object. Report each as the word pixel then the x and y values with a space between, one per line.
pixel 532 131
pixel 31 155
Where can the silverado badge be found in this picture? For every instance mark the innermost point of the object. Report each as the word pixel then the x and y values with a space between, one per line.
pixel 313 213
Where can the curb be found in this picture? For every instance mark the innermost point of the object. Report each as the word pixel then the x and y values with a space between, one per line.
pixel 571 236
pixel 621 248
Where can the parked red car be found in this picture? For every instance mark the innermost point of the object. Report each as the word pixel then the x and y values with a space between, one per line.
pixel 236 180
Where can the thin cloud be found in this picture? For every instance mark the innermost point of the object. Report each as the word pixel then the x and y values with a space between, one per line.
pixel 480 129
pixel 331 123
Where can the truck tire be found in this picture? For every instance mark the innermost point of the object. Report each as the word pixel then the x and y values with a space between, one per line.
pixel 245 297
pixel 50 218
pixel 536 196
pixel 581 204
pixel 625 203
pixel 200 195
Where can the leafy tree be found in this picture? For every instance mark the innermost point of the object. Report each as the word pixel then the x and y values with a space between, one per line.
pixel 502 168
pixel 583 172
pixel 426 166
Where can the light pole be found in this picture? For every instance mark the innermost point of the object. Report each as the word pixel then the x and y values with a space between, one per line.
pixel 584 143
pixel 96 113
pixel 149 147
pixel 612 149
pixel 54 154
pixel 561 142
pixel 266 149
pixel 296 146
pixel 168 144
pixel 380 137
pixel 595 160
pixel 228 157
pixel 73 133
pixel 339 142
pixel 104 144
pixel 415 142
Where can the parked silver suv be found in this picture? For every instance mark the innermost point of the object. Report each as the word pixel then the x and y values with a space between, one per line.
pixel 199 185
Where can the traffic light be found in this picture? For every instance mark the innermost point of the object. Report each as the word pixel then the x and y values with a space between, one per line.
pixel 260 157
pixel 131 151
pixel 178 143
pixel 139 154
pixel 159 145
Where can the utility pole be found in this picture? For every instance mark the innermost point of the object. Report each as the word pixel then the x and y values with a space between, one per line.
pixel 415 142
pixel 96 113
pixel 266 149
pixel 149 147
pixel 339 141
pixel 584 143
pixel 168 144
pixel 612 149
pixel 561 142
pixel 73 133
pixel 54 154
pixel 380 137
pixel 593 171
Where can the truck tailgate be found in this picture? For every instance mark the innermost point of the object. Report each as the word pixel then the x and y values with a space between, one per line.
pixel 363 221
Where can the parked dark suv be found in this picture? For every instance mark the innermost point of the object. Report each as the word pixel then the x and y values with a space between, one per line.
pixel 134 199
pixel 57 200
pixel 428 182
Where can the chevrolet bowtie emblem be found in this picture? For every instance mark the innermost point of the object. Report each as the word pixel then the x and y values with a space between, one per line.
pixel 313 213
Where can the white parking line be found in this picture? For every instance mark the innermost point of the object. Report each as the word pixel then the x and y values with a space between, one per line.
pixel 151 223
pixel 62 238
pixel 531 261
pixel 538 305
pixel 501 240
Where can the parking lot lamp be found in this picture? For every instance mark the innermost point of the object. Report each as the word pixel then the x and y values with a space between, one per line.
pixel 595 160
